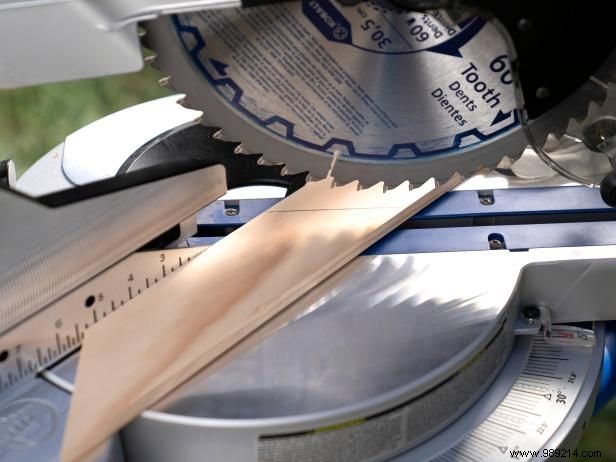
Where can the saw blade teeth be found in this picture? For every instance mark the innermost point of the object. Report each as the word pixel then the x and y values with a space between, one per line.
pixel 594 110
pixel 552 142
pixel 222 135
pixel 610 97
pixel 183 101
pixel 240 149
pixel 165 82
pixel 574 127
pixel 264 162
pixel 150 60
pixel 170 57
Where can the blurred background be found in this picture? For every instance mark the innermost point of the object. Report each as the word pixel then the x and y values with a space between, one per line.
pixel 34 120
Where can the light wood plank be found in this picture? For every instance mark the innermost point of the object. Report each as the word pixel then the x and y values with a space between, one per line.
pixel 187 321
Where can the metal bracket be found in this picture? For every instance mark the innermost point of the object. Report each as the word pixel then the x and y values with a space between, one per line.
pixel 533 320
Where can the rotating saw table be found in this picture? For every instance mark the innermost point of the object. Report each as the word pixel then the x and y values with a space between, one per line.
pixel 414 351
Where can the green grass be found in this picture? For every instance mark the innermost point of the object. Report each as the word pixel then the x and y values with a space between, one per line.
pixel 600 435
pixel 33 120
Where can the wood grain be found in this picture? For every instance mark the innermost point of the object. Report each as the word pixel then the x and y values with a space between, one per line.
pixel 166 335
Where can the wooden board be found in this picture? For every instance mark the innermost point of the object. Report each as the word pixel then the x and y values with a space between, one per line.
pixel 166 335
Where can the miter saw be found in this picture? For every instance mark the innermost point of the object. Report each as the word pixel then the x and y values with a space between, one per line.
pixel 416 351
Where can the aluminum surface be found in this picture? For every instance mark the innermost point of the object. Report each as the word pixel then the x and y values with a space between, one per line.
pixel 99 149
pixel 47 252
pixel 51 40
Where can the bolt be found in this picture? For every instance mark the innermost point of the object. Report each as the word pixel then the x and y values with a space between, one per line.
pixel 486 201
pixel 542 93
pixel 495 244
pixel 531 314
pixel 599 131
pixel 231 212
pixel 524 25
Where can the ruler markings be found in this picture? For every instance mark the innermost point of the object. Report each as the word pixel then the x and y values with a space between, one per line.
pixel 523 399
pixel 503 420
pixel 457 451
pixel 518 405
pixel 534 379
pixel 59 341
pixel 491 443
pixel 555 358
pixel 540 368
pixel 544 360
pixel 548 350
pixel 491 435
pixel 475 446
pixel 546 346
pixel 505 426
pixel 532 386
pixel 542 375
pixel 486 429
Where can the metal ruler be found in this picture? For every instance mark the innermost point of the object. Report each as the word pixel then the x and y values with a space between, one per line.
pixel 57 331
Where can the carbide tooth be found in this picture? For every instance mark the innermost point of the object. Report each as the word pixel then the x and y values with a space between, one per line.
pixel 165 82
pixel 551 143
pixel 610 93
pixel 574 127
pixel 182 102
pixel 150 59
pixel 241 149
pixel 263 161
pixel 220 135
pixel 287 170
pixel 594 110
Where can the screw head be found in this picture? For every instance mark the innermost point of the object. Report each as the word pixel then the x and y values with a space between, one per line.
pixel 495 244
pixel 231 212
pixel 531 313
pixel 542 93
pixel 524 25
pixel 486 201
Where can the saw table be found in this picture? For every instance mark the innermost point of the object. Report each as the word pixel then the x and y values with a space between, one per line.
pixel 415 351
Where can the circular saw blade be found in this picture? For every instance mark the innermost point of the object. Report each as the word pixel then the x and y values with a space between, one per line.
pixel 392 95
